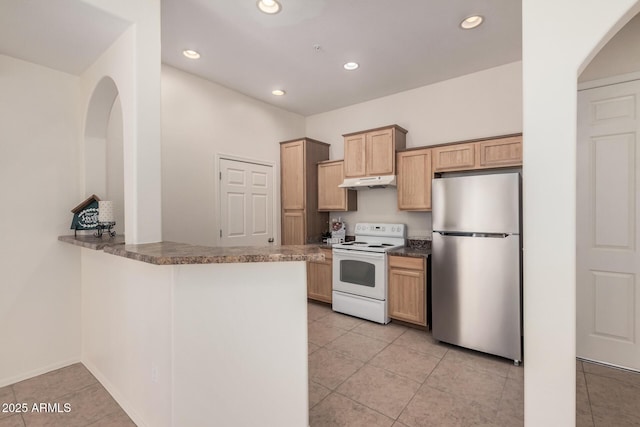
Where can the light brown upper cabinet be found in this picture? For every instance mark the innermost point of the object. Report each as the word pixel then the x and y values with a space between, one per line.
pixel 499 152
pixel 330 196
pixel 372 152
pixel 482 154
pixel 414 179
pixel 293 174
pixel 301 221
pixel 454 157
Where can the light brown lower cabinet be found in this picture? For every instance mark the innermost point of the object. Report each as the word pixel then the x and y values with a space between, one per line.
pixel 407 298
pixel 319 278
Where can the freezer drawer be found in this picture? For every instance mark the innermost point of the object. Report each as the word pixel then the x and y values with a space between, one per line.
pixel 476 293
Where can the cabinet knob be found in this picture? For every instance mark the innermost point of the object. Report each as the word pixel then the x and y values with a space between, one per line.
pixel 270 240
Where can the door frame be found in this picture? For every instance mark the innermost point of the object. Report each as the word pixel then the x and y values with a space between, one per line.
pixel 608 81
pixel 275 218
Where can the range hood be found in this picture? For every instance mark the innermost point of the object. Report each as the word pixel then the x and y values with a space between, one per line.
pixel 369 182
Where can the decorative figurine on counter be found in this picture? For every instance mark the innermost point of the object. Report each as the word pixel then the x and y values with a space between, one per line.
pixel 106 218
pixel 338 230
pixel 85 215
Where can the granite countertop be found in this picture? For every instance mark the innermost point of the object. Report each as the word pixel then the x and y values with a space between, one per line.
pixel 91 242
pixel 410 252
pixel 172 253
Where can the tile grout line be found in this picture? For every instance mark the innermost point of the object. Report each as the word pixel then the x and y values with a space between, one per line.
pixel 504 387
pixel 362 404
pixel 15 399
pixel 586 386
pixel 416 393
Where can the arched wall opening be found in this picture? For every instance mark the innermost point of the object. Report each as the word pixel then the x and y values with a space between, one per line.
pixel 558 38
pixel 103 148
pixel 608 191
pixel 607 207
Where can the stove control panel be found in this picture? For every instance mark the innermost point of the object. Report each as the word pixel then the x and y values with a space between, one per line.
pixel 381 230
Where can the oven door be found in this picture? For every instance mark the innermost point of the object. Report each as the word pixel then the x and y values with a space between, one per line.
pixel 360 273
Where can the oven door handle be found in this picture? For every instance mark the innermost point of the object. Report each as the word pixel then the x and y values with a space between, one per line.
pixel 359 254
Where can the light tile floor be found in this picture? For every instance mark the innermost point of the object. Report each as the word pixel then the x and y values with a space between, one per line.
pixel 365 374
pixel 89 403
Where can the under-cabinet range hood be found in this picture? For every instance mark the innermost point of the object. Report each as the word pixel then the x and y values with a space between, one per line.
pixel 369 182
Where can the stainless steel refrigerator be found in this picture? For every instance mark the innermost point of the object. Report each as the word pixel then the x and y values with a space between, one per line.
pixel 477 263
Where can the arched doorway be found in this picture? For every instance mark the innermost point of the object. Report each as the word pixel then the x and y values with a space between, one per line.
pixel 103 148
pixel 607 239
pixel 608 202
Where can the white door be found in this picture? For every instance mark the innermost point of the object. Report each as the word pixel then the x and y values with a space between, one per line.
pixel 608 261
pixel 246 203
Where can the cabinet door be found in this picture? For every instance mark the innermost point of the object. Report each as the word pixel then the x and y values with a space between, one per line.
pixel 408 289
pixel 454 157
pixel 319 279
pixel 380 153
pixel 407 298
pixel 292 175
pixel 414 180
pixel 330 196
pixel 354 156
pixel 500 152
pixel 293 228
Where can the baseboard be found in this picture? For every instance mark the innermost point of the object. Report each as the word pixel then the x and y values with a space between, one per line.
pixel 115 393
pixel 34 373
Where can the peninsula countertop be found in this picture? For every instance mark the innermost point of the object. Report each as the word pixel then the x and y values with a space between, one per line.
pixel 172 253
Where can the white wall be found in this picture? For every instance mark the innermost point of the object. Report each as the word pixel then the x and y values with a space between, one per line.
pixel 104 155
pixel 39 185
pixel 201 119
pixel 482 104
pixel 240 340
pixel 559 39
pixel 618 56
pixel 127 333
pixel 133 62
pixel 115 164
pixel 188 345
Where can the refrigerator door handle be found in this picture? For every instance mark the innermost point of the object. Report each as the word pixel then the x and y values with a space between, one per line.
pixel 462 234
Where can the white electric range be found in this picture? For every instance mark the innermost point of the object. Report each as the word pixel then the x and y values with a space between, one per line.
pixel 360 270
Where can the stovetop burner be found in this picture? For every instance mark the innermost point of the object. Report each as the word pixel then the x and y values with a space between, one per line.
pixel 376 237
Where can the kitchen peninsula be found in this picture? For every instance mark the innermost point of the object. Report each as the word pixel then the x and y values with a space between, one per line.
pixel 192 335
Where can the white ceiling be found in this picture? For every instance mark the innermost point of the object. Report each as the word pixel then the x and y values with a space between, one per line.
pixel 66 35
pixel 400 45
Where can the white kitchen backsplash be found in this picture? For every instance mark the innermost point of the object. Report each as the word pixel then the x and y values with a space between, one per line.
pixel 381 205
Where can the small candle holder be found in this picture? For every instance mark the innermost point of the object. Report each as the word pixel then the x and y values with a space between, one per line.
pixel 108 226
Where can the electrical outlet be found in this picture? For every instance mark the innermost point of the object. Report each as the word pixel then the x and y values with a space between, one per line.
pixel 154 373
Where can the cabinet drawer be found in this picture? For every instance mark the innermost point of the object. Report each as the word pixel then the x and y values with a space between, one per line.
pixel 406 262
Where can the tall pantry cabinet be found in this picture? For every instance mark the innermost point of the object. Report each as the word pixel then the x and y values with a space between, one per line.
pixel 301 221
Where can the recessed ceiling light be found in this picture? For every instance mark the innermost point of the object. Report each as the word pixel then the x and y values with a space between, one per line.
pixel 269 6
pixel 191 54
pixel 471 22
pixel 278 92
pixel 350 66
